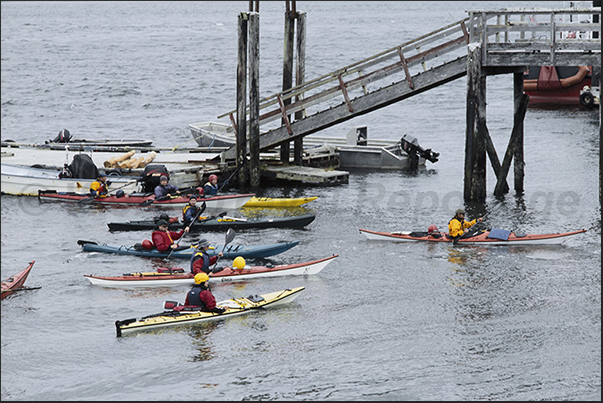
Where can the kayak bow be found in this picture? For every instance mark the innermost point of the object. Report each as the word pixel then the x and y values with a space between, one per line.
pixel 14 283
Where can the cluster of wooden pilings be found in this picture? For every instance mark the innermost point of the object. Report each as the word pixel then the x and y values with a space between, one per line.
pixel 249 44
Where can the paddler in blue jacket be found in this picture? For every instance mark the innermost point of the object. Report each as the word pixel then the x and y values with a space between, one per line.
pixel 190 210
pixel 211 187
pixel 164 191
pixel 200 295
pixel 458 227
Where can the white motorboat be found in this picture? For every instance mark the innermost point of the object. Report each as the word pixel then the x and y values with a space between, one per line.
pixel 27 181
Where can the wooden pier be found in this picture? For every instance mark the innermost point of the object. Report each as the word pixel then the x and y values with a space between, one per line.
pixel 308 175
pixel 485 43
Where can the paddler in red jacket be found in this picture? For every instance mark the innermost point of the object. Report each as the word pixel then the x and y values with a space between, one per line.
pixel 200 261
pixel 163 239
pixel 200 295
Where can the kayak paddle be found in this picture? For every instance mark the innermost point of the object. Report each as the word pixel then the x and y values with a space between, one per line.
pixel 201 210
pixel 230 177
pixel 148 202
pixel 23 289
pixel 230 234
pixel 89 199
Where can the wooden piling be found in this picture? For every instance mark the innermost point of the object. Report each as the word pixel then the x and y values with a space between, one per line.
pixel 300 78
pixel 516 141
pixel 285 148
pixel 254 99
pixel 241 127
pixel 475 142
pixel 518 118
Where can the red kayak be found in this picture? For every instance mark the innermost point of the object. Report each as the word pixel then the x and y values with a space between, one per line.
pixel 15 283
pixel 177 276
pixel 491 237
pixel 226 202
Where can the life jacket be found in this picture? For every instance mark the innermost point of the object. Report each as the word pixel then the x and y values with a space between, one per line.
pixel 98 187
pixel 209 189
pixel 185 208
pixel 205 257
pixel 193 296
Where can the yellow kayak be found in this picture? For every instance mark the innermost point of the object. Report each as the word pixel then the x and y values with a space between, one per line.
pixel 234 306
pixel 278 201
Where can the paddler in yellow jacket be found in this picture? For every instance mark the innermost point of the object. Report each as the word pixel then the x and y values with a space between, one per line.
pixel 457 227
pixel 100 187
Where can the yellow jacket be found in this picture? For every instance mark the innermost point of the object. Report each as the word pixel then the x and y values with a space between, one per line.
pixel 455 227
pixel 96 188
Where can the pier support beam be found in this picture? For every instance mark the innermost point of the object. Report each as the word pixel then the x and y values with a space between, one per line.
pixel 287 74
pixel 254 99
pixel 241 127
pixel 515 142
pixel 300 78
pixel 520 107
pixel 291 16
pixel 476 132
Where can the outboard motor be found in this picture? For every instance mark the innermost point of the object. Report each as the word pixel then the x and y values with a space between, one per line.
pixel 63 137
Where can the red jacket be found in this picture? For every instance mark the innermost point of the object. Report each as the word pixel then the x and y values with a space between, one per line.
pixel 162 240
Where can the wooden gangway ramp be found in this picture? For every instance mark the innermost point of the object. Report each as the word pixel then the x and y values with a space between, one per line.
pixel 509 39
pixel 416 65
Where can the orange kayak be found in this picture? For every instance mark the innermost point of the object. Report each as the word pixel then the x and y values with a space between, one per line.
pixel 14 283
pixel 483 238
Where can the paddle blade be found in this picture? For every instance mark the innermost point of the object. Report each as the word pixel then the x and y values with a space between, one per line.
pixel 87 200
pixel 230 234
pixel 147 202
pixel 82 242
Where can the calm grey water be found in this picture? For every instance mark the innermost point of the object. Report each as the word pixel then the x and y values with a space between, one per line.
pixel 384 321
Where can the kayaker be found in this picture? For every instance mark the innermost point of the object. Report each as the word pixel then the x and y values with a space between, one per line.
pixel 164 191
pixel 200 295
pixel 211 187
pixel 100 187
pixel 163 239
pixel 200 261
pixel 457 227
pixel 190 210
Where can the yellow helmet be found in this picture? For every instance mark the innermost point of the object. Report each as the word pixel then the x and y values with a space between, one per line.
pixel 201 278
pixel 239 263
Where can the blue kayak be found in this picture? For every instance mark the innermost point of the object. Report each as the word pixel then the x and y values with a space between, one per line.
pixel 230 251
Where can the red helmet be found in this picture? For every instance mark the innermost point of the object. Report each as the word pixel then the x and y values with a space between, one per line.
pixel 146 244
pixel 212 176
pixel 432 228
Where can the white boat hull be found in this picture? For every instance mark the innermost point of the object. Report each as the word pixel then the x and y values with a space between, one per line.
pixel 26 181
pixel 552 239
pixel 295 270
